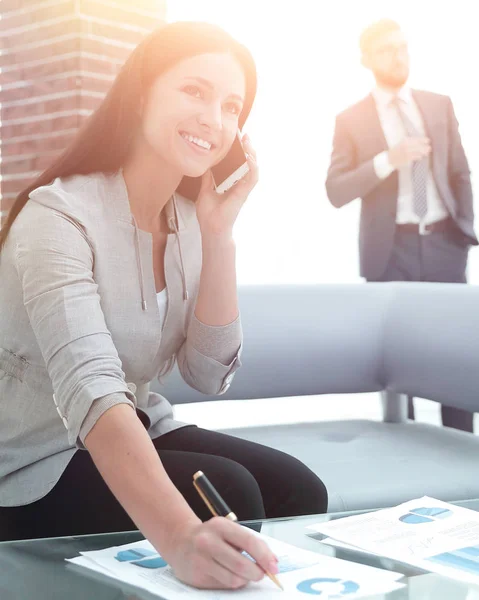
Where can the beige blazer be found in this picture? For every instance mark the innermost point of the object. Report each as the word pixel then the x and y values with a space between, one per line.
pixel 80 326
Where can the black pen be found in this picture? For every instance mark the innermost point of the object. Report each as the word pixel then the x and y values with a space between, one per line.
pixel 218 506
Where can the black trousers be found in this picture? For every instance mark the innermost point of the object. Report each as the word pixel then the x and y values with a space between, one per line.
pixel 439 257
pixel 255 481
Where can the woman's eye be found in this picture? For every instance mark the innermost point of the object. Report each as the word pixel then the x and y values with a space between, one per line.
pixel 233 108
pixel 193 90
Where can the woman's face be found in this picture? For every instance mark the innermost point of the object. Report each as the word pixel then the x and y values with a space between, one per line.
pixel 191 114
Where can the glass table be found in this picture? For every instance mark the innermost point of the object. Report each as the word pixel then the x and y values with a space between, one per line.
pixel 37 570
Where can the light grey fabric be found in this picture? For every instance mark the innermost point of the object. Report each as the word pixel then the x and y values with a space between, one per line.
pixel 304 340
pixel 419 339
pixel 80 328
pixel 369 464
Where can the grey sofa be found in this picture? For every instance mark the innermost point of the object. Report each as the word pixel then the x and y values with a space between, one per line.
pixel 402 338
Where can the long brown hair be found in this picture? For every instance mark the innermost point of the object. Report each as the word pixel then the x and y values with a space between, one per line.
pixel 102 144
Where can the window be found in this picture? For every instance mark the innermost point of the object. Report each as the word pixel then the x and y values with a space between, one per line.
pixel 308 63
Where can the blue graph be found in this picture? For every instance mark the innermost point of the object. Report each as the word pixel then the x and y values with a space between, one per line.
pixel 134 554
pixel 139 558
pixel 464 559
pixel 424 514
pixel 323 585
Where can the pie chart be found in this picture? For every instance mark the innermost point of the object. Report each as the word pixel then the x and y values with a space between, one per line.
pixel 328 586
pixel 425 515
pixel 141 557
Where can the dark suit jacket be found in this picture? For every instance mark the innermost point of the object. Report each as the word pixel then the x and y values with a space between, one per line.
pixel 358 137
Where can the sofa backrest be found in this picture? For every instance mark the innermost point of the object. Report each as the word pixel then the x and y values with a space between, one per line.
pixel 431 343
pixel 419 339
pixel 301 340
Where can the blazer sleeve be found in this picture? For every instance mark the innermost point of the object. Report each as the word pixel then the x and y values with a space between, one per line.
pixel 459 172
pixel 54 262
pixel 346 179
pixel 210 356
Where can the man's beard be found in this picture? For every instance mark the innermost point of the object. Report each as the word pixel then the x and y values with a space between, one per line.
pixel 393 80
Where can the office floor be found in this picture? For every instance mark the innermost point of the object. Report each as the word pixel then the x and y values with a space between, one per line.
pixel 223 415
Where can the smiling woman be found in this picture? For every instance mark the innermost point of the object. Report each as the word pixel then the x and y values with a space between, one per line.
pixel 116 263
pixel 191 114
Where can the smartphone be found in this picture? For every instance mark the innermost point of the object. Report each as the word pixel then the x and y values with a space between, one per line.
pixel 232 168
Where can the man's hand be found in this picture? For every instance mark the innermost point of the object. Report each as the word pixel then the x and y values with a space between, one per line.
pixel 409 150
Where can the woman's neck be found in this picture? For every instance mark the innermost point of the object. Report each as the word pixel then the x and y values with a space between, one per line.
pixel 150 183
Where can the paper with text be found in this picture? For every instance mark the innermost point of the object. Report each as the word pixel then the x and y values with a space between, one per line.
pixel 301 573
pixel 425 533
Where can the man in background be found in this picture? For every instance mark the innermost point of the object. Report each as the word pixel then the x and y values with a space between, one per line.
pixel 400 151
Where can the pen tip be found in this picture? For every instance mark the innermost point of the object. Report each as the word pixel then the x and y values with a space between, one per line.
pixel 275 580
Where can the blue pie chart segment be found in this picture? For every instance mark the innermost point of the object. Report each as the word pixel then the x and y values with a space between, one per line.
pixel 322 585
pixel 434 511
pixel 134 554
pixel 150 563
pixel 425 514
pixel 141 557
pixel 413 519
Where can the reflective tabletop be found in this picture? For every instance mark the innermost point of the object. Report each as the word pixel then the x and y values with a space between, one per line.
pixel 37 570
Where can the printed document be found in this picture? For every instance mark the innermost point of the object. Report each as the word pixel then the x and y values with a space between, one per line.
pixel 301 572
pixel 425 533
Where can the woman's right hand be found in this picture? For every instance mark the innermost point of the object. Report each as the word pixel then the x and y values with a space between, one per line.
pixel 208 555
pixel 204 555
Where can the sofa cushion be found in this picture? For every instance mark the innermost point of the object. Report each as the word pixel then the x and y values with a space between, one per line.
pixel 369 464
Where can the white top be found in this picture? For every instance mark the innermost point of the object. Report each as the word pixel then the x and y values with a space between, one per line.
pixel 394 132
pixel 162 298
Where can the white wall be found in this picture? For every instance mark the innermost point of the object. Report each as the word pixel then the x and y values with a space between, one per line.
pixel 308 64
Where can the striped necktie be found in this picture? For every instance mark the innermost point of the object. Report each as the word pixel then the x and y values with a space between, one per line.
pixel 419 168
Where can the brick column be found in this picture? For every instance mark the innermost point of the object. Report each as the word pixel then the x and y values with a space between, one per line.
pixel 58 59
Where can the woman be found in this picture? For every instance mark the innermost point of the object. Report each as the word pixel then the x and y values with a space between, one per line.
pixel 110 274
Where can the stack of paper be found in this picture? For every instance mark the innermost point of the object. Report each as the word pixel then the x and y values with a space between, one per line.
pixel 301 573
pixel 425 533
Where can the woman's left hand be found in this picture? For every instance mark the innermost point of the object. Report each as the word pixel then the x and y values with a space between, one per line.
pixel 217 213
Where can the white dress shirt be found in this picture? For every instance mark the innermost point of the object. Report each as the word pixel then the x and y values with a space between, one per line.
pixel 394 132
